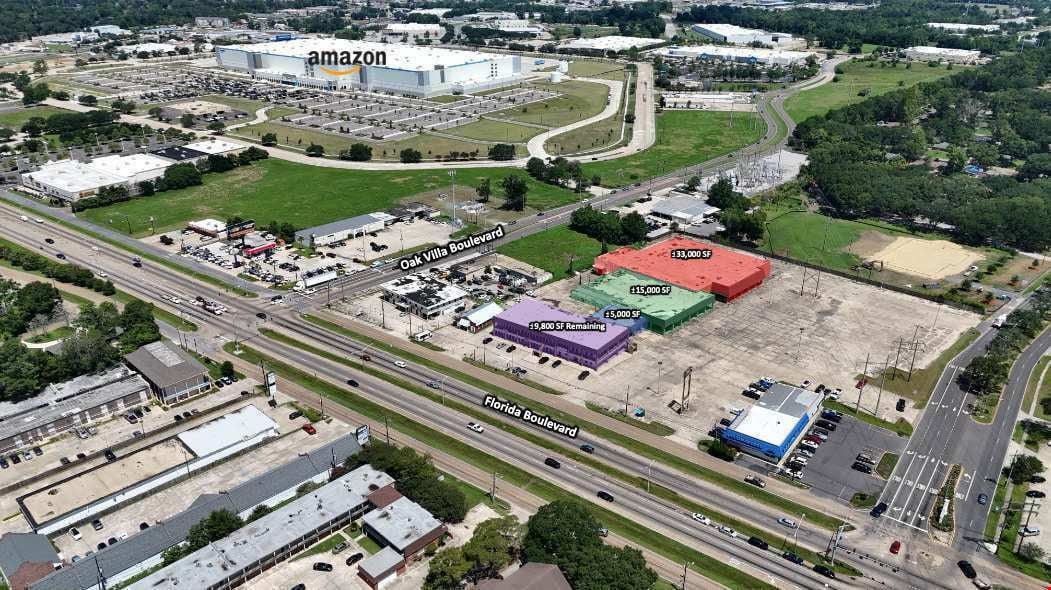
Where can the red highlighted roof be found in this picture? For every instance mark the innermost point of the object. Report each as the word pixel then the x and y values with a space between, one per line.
pixel 727 273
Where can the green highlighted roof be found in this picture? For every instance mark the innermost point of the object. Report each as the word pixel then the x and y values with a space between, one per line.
pixel 665 311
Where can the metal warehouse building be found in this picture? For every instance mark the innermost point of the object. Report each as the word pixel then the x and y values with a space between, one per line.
pixel 414 70
pixel 343 229
pixel 663 312
pixel 728 274
pixel 771 426
pixel 590 348
pixel 739 35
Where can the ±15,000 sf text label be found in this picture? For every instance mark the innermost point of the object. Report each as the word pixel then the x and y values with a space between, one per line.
pixel 526 415
pixel 650 290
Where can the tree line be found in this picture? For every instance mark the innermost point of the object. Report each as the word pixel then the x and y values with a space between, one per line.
pixel 609 227
pixel 863 158
pixel 62 272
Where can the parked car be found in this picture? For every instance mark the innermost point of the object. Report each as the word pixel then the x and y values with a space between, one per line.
pixel 1035 494
pixel 110 456
pixel 96 524
pixel 895 547
pixel 355 558
pixel 967 569
pixel 583 375
pixel 321 566
pixel 37 451
pixel 75 533
pixel 295 414
pixel 143 526
pixel 340 548
pixel 828 425
pixel 878 510
pixel 309 429
pixel 862 467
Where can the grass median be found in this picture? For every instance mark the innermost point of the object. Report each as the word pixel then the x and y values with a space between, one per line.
pixel 670 459
pixel 902 427
pixel 711 568
pixel 144 255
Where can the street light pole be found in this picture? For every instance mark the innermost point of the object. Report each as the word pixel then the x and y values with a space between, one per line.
pixel 452 175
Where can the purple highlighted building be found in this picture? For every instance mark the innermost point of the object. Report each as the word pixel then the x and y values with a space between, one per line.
pixel 575 338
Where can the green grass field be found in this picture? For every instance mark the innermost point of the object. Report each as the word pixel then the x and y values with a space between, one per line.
pixel 856 77
pixel 495 131
pixel 298 194
pixel 596 69
pixel 586 31
pixel 1045 391
pixel 578 100
pixel 683 138
pixel 15 119
pixel 447 98
pixel 551 248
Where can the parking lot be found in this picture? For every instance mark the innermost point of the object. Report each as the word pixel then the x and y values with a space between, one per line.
pixel 828 472
pixel 168 501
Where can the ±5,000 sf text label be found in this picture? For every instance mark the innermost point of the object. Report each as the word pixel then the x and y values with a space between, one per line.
pixel 526 415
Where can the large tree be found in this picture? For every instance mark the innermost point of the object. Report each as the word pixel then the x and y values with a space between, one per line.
pixel 515 189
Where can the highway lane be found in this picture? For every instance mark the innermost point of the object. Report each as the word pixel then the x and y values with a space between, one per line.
pixel 159 282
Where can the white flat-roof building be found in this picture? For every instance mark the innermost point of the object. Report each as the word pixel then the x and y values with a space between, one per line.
pixel 422 295
pixel 771 426
pixel 515 25
pixel 236 430
pixel 405 69
pixel 218 147
pixel 958 56
pixel 438 12
pixel 343 229
pixel 964 27
pixel 134 168
pixel 683 209
pixel 737 54
pixel 740 35
pixel 611 43
pixel 70 180
pixel 133 50
pixel 415 29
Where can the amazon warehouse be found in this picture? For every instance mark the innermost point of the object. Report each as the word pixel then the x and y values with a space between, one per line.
pixel 404 69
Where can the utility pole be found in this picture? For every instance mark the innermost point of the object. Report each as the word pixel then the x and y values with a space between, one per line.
pixel 492 492
pixel 685 568
pixel 915 347
pixel 386 424
pixel 882 380
pixel 627 391
pixel 897 357
pixel 1032 505
pixel 864 381
pixel 833 544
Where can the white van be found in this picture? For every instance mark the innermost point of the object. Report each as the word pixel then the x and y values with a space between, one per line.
pixel 422 336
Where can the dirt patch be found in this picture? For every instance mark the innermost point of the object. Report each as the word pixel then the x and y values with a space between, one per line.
pixel 929 259
pixel 869 243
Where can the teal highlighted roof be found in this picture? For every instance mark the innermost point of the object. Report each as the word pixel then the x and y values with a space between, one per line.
pixel 666 310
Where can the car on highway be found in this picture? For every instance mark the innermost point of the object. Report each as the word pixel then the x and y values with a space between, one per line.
pixel 352 383
pixel 261 315
pixel 552 463
pixel 321 566
pixel 605 495
pixel 878 510
pixel 49 240
pixel 983 499
pixel 60 256
pixel 788 522
pixel 400 364
pixel 755 480
pixel 967 569
pixel 825 571
pixel 587 449
pixel 728 531
pixel 792 557
pixel 476 427
pixel 895 547
pixel 701 518
pixel 757 542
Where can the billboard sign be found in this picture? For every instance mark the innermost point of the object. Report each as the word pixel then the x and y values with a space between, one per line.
pixel 271 382
pixel 363 434
pixel 237 230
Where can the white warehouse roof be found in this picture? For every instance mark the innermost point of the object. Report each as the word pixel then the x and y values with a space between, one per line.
pixel 612 43
pixel 73 177
pixel 399 56
pixel 228 429
pixel 964 27
pixel 926 50
pixel 215 146
pixel 129 166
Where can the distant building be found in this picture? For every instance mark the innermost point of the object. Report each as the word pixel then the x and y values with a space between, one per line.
pixel 964 27
pixel 663 311
pixel 531 576
pixel 60 407
pixel 180 154
pixel 740 35
pixel 422 295
pixel 402 525
pixel 338 231
pixel 150 48
pixel 684 210
pixel 212 22
pixel 770 427
pixel 70 180
pixel 217 147
pixel 26 558
pixel 415 29
pixel 957 56
pixel 110 30
pixel 174 375
pixel 755 55
pixel 134 168
pixel 611 43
